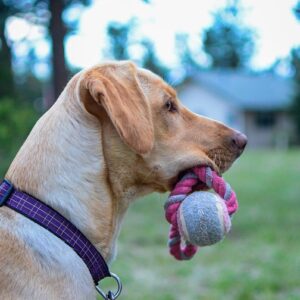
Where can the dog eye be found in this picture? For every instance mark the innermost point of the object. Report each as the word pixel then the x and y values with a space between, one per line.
pixel 170 106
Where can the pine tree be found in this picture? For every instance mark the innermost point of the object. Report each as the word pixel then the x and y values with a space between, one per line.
pixel 46 13
pixel 7 88
pixel 187 59
pixel 152 62
pixel 295 61
pixel 228 43
pixel 118 34
pixel 119 37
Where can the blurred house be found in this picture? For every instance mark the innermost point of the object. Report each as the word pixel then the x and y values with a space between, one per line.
pixel 254 103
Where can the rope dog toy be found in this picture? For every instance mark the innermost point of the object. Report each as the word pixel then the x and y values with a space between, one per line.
pixel 198 218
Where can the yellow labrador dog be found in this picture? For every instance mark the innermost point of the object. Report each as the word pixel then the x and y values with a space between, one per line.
pixel 116 133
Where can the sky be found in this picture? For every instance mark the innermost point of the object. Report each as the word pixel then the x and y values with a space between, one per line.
pixel 276 28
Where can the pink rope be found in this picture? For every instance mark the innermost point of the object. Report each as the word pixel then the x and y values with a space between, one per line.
pixel 203 178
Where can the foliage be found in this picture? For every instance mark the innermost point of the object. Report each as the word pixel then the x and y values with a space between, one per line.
pixel 119 38
pixel 228 43
pixel 186 57
pixel 297 10
pixel 48 14
pixel 259 259
pixel 29 91
pixel 119 41
pixel 16 122
pixel 152 62
pixel 7 87
pixel 295 107
pixel 295 61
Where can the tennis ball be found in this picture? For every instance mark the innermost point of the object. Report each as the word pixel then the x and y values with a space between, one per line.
pixel 203 218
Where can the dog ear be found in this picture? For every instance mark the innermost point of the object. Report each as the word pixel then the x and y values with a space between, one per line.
pixel 115 87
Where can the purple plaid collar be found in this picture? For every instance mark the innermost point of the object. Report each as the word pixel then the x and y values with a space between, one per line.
pixel 54 222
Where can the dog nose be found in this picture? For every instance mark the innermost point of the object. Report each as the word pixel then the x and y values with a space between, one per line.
pixel 239 140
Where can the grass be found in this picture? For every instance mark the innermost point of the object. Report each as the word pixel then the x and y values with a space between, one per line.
pixel 258 260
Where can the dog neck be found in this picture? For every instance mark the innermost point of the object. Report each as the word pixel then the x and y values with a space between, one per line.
pixel 64 164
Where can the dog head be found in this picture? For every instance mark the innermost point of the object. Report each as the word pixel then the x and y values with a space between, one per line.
pixel 150 129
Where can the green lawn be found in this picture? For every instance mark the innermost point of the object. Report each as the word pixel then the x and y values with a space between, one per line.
pixel 260 259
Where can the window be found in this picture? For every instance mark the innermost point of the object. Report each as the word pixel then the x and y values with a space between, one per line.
pixel 265 119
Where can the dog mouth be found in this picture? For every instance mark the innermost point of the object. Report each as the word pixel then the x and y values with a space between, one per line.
pixel 218 161
pixel 222 160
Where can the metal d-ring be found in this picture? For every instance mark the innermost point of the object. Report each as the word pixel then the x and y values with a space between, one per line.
pixel 110 295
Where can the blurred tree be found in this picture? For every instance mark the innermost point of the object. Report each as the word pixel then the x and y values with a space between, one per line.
pixel 17 120
pixel 58 28
pixel 295 61
pixel 295 108
pixel 186 57
pixel 297 10
pixel 6 74
pixel 58 32
pixel 228 43
pixel 151 62
pixel 118 39
pixel 49 14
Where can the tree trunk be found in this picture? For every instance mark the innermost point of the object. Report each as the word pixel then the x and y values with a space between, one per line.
pixel 57 33
pixel 6 74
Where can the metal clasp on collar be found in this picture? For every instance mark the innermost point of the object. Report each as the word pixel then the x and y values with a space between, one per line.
pixel 110 295
pixel 7 193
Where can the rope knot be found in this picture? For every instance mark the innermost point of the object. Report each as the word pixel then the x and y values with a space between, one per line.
pixel 203 177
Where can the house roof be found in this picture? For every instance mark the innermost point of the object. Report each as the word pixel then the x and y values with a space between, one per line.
pixel 253 91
